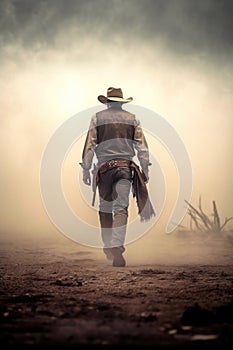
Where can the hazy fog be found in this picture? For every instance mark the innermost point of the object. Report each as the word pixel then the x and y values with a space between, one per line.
pixel 173 57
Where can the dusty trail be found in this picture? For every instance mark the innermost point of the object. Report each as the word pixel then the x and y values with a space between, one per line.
pixel 52 297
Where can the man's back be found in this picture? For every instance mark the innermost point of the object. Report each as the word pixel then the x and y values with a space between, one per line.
pixel 115 134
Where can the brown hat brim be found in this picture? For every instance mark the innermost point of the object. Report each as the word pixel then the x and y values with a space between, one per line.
pixel 103 99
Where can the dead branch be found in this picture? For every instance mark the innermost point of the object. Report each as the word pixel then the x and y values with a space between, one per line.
pixel 226 221
pixel 208 227
pixel 202 212
pixel 202 221
pixel 216 218
pixel 191 224
pixel 192 215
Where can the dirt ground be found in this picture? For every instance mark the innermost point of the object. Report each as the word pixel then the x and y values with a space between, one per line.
pixel 66 297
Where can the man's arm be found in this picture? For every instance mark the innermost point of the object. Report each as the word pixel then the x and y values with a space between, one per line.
pixel 142 149
pixel 88 151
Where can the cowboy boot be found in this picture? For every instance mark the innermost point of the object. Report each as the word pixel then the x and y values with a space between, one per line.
pixel 120 219
pixel 118 260
pixel 106 232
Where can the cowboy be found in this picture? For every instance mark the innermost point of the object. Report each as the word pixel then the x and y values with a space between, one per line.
pixel 115 136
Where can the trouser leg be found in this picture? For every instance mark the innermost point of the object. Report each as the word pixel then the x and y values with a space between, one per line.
pixel 106 220
pixel 114 187
pixel 120 213
pixel 105 210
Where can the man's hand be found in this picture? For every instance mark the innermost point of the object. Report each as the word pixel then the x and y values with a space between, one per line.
pixel 86 177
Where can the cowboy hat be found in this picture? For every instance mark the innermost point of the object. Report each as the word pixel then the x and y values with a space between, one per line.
pixel 114 95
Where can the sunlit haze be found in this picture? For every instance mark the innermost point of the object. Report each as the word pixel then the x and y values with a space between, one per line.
pixel 56 58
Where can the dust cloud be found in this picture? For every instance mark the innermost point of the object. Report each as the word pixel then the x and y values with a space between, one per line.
pixel 53 69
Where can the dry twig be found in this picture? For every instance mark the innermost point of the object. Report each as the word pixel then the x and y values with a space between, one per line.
pixel 202 221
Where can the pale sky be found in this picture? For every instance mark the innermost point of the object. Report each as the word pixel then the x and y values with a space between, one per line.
pixel 173 57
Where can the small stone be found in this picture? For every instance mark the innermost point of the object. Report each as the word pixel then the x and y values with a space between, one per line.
pixel 186 328
pixel 204 337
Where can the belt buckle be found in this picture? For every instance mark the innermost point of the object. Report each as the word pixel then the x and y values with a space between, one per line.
pixel 112 163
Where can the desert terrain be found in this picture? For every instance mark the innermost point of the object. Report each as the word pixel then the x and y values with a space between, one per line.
pixel 58 293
